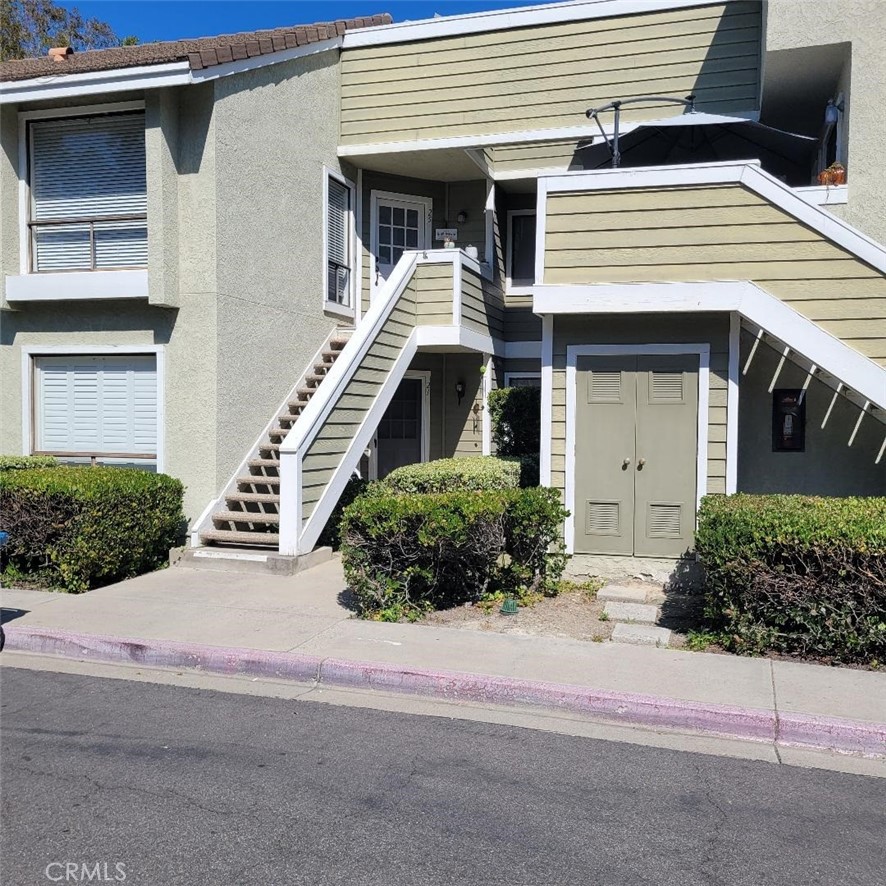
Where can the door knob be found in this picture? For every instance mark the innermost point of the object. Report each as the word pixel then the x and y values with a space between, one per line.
pixel 626 462
pixel 640 464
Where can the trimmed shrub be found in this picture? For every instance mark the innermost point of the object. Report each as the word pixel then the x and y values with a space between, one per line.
pixel 79 527
pixel 516 420
pixel 453 474
pixel 25 462
pixel 407 554
pixel 796 574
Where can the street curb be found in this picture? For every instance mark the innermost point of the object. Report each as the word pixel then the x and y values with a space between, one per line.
pixel 748 724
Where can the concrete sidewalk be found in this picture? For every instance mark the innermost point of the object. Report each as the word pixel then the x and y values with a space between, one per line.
pixel 298 626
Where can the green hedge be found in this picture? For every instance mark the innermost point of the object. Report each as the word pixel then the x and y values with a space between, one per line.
pixel 26 462
pixel 406 554
pixel 453 474
pixel 79 527
pixel 796 574
pixel 516 420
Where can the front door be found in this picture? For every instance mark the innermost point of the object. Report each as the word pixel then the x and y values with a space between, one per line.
pixel 400 435
pixel 399 224
pixel 635 454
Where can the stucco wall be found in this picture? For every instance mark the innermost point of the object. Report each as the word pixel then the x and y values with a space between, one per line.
pixel 181 185
pixel 828 466
pixel 275 129
pixel 798 23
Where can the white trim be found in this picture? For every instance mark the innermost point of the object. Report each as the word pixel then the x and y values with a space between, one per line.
pixel 57 86
pixel 510 289
pixel 505 19
pixel 29 352
pixel 331 307
pixel 523 350
pixel 573 352
pixel 490 140
pixel 458 337
pixel 61 85
pixel 541 221
pixel 732 403
pixel 261 61
pixel 359 243
pixel 486 421
pixel 515 374
pixel 77 285
pixel 637 298
pixel 374 197
pixel 824 195
pixel 747 173
pixel 547 398
pixel 457 292
pixel 489 212
pixel 759 307
pixel 83 110
pixel 423 375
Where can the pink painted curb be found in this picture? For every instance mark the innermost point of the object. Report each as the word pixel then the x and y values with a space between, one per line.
pixel 749 724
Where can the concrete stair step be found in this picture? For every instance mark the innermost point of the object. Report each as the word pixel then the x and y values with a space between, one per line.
pixel 236 537
pixel 263 463
pixel 641 635
pixel 265 498
pixel 269 447
pixel 253 517
pixel 637 613
pixel 278 433
pixel 623 593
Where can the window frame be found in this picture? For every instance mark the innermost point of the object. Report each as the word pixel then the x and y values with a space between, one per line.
pixel 25 166
pixel 512 375
pixel 329 306
pixel 510 288
pixel 30 355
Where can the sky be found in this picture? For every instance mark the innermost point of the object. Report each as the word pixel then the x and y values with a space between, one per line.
pixel 151 20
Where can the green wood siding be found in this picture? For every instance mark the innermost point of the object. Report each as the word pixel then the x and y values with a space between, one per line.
pixel 546 76
pixel 723 232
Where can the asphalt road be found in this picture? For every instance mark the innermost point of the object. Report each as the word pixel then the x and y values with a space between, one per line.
pixel 196 787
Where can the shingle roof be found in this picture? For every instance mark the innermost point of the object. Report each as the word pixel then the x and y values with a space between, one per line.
pixel 202 52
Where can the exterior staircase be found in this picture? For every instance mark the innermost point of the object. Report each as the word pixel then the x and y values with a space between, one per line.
pixel 250 513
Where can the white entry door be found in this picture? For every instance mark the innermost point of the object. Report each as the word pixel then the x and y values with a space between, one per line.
pixel 399 222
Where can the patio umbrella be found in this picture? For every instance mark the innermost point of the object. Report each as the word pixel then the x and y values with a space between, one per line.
pixel 704 138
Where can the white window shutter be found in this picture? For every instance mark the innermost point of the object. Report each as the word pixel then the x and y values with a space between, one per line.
pixel 97 405
pixel 89 171
pixel 337 246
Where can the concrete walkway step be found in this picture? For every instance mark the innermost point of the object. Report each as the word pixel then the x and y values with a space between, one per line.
pixel 637 613
pixel 623 593
pixel 641 635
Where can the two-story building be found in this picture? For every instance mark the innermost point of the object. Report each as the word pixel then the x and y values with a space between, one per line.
pixel 264 261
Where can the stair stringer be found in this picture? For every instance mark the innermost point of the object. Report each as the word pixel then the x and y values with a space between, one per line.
pixel 298 536
pixel 204 521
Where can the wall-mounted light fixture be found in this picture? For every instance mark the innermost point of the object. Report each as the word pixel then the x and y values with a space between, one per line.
pixel 460 391
pixel 832 112
pixel 462 217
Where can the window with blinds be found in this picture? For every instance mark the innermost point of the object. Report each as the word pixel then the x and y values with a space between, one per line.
pixel 102 406
pixel 88 208
pixel 338 247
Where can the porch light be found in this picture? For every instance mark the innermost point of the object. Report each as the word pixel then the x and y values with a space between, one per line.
pixel 832 112
pixel 460 391
pixel 462 217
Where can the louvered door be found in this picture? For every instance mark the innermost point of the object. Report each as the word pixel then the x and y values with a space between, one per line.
pixel 666 438
pixel 635 455
pixel 605 418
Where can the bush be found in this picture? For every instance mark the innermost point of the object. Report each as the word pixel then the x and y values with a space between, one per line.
pixel 406 554
pixel 796 574
pixel 25 462
pixel 330 537
pixel 453 474
pixel 516 420
pixel 78 527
